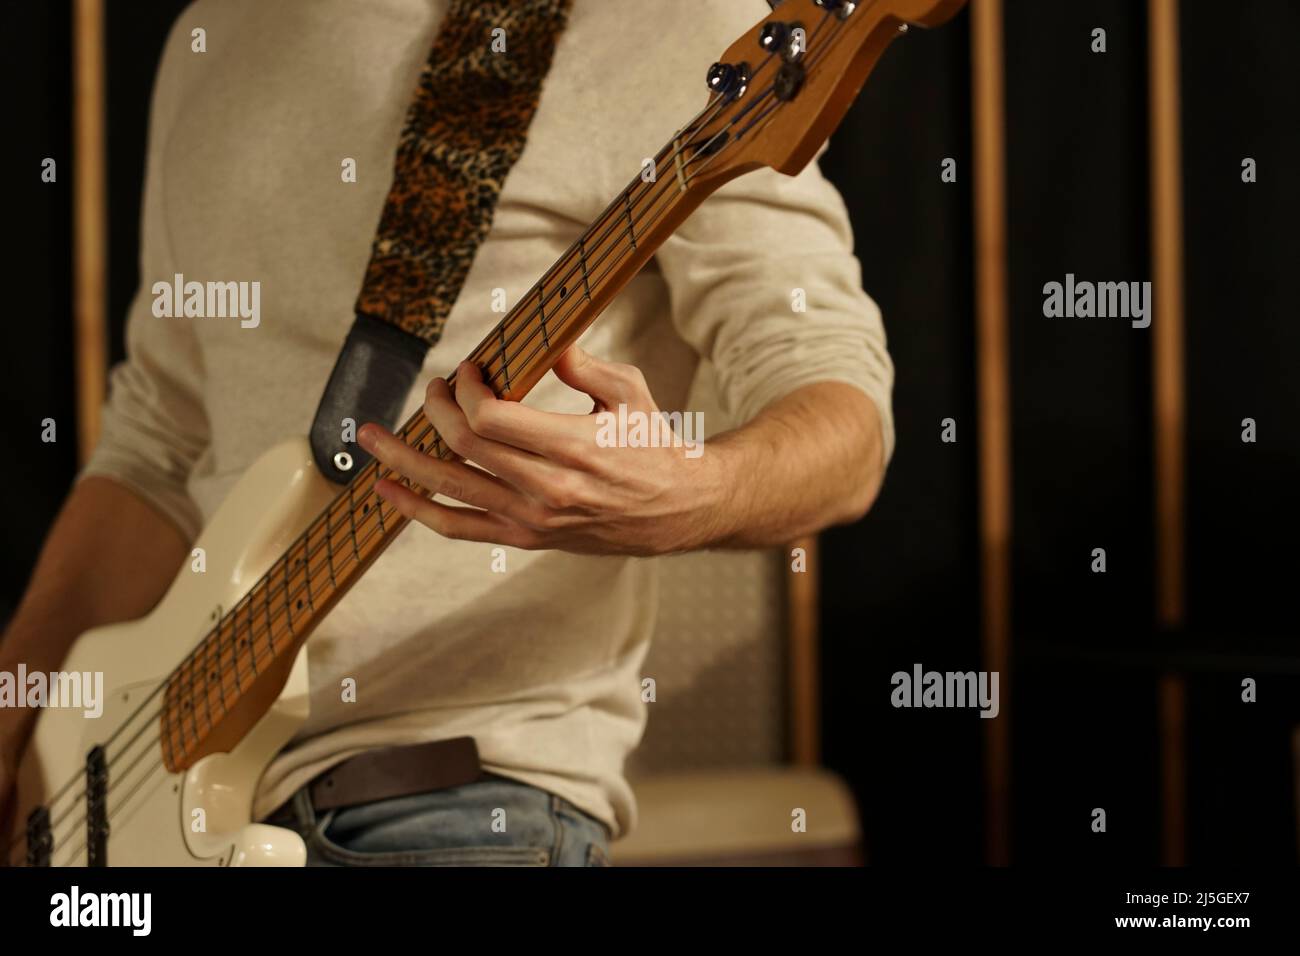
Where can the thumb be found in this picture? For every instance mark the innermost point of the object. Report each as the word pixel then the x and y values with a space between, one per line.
pixel 610 384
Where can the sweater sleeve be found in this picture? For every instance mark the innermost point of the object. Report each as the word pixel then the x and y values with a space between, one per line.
pixel 763 282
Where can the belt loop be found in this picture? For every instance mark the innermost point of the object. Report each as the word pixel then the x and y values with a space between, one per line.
pixel 303 809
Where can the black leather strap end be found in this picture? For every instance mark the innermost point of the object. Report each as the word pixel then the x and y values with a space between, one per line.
pixel 371 379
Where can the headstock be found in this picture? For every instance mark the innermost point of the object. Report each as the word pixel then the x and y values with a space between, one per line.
pixel 780 90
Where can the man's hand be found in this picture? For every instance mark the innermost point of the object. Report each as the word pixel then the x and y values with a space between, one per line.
pixel 543 481
pixel 534 479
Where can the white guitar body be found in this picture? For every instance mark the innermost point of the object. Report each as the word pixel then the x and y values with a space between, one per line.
pixel 153 816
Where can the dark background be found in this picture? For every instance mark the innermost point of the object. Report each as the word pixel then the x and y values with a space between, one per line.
pixel 902 586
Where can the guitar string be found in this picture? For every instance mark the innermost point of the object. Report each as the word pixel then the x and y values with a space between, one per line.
pixel 564 319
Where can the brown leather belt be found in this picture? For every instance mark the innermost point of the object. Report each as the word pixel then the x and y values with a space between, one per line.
pixel 393 772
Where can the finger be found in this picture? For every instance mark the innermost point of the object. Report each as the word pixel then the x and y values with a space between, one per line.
pixel 459 524
pixel 549 434
pixel 452 479
pixel 609 383
pixel 528 472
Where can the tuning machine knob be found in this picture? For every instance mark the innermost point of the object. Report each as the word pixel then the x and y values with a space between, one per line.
pixel 788 39
pixel 773 35
pixel 728 80
pixel 841 8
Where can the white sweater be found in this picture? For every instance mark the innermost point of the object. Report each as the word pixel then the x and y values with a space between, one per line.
pixel 248 139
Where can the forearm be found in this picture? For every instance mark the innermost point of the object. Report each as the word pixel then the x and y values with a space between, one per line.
pixel 808 461
pixel 109 557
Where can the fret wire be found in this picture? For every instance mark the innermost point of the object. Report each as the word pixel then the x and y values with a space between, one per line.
pixel 207 673
pixel 582 254
pixel 379 508
pixel 627 197
pixel 167 733
pixel 207 708
pixel 207 681
pixel 541 311
pixel 329 547
pixel 221 680
pixel 234 648
pixel 306 568
pixel 252 637
pixel 266 602
pixel 504 364
pixel 288 601
pixel 352 517
pixel 194 711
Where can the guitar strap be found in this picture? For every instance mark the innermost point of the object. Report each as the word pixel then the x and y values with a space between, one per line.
pixel 464 131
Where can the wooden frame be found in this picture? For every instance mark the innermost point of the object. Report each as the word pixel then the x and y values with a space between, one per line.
pixel 1168 401
pixel 802 677
pixel 90 222
pixel 994 403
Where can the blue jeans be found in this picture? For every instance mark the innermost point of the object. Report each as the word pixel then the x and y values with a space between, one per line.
pixel 491 822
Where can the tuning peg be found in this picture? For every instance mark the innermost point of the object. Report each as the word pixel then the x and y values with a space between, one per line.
pixel 787 39
pixel 841 8
pixel 723 78
pixel 728 80
pixel 774 35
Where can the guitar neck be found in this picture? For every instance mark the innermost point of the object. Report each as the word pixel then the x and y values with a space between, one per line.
pixel 235 674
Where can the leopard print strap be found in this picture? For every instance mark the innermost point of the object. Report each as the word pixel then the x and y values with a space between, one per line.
pixel 464 131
